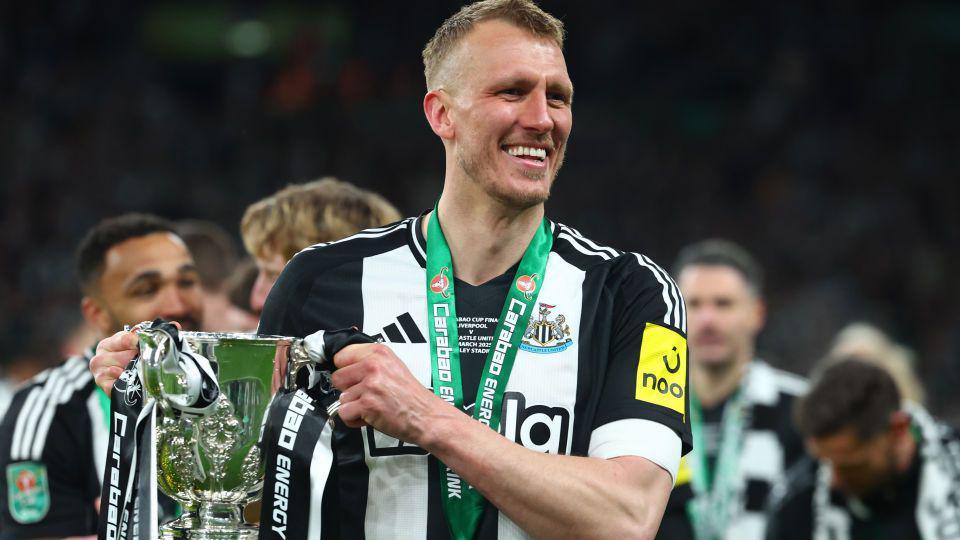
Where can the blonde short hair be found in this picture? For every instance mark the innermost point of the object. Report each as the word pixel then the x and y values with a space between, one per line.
pixel 522 13
pixel 301 215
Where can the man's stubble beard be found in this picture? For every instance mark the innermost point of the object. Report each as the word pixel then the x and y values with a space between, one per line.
pixel 472 165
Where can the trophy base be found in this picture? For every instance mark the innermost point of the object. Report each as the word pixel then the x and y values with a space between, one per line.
pixel 243 532
pixel 215 522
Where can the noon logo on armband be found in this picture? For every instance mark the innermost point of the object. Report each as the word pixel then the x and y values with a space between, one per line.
pixel 662 368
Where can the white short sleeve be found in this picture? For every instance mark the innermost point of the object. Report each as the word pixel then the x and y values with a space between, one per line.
pixel 638 437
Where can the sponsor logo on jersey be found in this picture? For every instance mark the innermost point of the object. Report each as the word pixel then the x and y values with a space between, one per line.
pixel 545 335
pixel 526 285
pixel 440 283
pixel 662 368
pixel 28 492
pixel 537 427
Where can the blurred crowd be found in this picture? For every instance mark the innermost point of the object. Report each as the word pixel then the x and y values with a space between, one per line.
pixel 820 136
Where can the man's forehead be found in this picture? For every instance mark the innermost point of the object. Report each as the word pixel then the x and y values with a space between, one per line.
pixel 497 42
pixel 156 250
pixel 716 275
pixel 844 444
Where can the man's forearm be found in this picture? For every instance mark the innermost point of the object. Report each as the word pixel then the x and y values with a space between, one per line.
pixel 552 496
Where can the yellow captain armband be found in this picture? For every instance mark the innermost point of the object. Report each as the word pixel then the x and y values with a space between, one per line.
pixel 662 368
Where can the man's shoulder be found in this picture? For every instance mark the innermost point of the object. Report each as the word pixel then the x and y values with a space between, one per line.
pixel 50 395
pixel 768 384
pixel 64 379
pixel 586 253
pixel 639 284
pixel 367 243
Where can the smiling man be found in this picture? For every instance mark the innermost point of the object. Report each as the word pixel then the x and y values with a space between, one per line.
pixel 530 382
pixel 54 438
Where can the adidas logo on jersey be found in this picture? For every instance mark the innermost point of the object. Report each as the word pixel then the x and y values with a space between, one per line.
pixel 403 331
pixel 537 427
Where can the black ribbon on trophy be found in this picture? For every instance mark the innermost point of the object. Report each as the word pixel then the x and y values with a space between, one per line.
pixel 295 439
pixel 297 442
pixel 128 500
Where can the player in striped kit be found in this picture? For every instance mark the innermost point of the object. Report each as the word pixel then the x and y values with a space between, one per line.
pixel 572 431
pixel 53 439
pixel 744 439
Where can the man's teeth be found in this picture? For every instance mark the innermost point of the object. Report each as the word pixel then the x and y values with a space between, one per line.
pixel 519 151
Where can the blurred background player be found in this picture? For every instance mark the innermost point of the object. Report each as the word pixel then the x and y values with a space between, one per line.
pixel 300 215
pixel 215 256
pixel 872 345
pixel 887 469
pixel 739 405
pixel 131 268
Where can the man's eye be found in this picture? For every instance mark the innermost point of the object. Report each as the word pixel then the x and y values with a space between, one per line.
pixel 558 98
pixel 186 283
pixel 144 290
pixel 512 92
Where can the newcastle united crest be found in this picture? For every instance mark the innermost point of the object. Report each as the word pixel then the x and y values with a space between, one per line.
pixel 545 335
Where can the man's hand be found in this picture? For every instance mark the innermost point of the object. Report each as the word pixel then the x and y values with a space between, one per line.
pixel 379 391
pixel 113 355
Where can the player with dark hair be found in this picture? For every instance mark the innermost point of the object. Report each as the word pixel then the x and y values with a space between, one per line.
pixel 53 439
pixel 530 382
pixel 887 469
pixel 739 405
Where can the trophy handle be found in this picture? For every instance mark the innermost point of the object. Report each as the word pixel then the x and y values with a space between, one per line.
pixel 309 354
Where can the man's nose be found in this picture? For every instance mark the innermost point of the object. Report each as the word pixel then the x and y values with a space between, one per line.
pixel 173 302
pixel 536 113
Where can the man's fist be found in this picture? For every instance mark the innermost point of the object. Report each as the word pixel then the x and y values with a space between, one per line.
pixel 379 391
pixel 113 355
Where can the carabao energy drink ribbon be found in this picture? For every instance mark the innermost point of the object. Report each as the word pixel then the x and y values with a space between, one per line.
pixel 128 500
pixel 297 445
pixel 462 505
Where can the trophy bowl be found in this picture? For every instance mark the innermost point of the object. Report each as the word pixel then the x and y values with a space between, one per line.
pixel 208 460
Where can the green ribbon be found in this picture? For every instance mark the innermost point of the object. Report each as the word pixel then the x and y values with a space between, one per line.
pixel 712 507
pixel 104 407
pixel 463 505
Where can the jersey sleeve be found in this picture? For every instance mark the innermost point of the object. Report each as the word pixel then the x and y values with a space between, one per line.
pixel 643 407
pixel 49 493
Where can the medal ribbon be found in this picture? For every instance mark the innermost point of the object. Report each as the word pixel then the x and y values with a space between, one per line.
pixel 462 505
pixel 715 495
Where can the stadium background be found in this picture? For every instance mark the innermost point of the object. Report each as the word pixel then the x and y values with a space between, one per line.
pixel 823 136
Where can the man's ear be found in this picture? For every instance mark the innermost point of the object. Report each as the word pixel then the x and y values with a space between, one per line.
pixel 759 314
pixel 94 313
pixel 436 109
pixel 899 422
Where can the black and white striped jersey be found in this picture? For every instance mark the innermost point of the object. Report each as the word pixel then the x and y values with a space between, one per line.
pixel 601 370
pixel 770 446
pixel 53 444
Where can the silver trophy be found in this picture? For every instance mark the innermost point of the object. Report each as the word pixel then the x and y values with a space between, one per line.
pixel 212 394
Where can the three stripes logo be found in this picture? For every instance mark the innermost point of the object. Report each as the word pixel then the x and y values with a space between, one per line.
pixel 404 330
